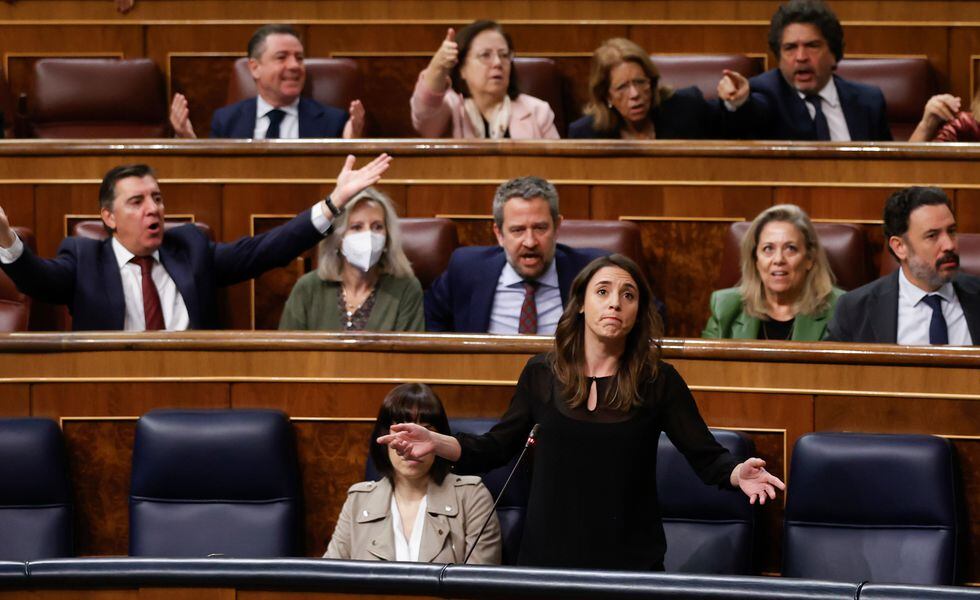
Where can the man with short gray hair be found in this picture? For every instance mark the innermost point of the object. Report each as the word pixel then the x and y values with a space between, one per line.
pixel 519 286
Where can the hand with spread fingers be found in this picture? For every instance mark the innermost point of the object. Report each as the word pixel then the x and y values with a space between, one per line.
pixel 354 128
pixel 758 484
pixel 180 117
pixel 351 181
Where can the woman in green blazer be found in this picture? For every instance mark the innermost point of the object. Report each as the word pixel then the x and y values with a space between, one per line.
pixel 787 288
pixel 363 279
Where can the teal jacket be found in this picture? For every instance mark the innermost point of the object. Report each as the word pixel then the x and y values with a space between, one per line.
pixel 728 320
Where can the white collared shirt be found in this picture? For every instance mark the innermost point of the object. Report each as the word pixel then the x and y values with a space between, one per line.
pixel 288 129
pixel 508 298
pixel 407 550
pixel 832 111
pixel 914 315
pixel 175 316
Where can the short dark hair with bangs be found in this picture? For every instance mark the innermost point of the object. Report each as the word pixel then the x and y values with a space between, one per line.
pixel 409 403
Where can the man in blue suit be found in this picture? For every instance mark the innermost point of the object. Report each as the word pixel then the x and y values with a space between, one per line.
pixel 144 278
pixel 279 111
pixel 519 286
pixel 803 99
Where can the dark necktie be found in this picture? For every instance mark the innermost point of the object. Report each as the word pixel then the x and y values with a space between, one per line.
pixel 275 120
pixel 529 310
pixel 819 120
pixel 152 311
pixel 938 334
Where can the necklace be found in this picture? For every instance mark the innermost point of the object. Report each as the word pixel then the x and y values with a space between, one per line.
pixel 350 308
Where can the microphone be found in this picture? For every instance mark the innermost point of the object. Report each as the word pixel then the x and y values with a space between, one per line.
pixel 531 441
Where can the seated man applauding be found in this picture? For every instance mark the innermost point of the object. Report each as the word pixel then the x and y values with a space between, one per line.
pixel 144 278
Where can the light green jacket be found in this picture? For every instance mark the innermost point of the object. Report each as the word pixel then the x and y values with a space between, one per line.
pixel 312 305
pixel 728 320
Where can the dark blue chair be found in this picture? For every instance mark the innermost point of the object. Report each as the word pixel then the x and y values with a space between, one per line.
pixel 35 498
pixel 222 482
pixel 865 507
pixel 512 508
pixel 709 530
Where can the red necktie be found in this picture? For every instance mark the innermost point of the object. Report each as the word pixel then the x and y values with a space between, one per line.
pixel 151 299
pixel 529 310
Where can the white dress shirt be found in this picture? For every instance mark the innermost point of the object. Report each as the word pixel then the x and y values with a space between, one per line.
pixel 407 550
pixel 288 129
pixel 175 316
pixel 505 316
pixel 914 315
pixel 832 111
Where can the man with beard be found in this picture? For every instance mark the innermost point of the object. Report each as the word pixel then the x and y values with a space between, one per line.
pixel 803 99
pixel 519 286
pixel 926 301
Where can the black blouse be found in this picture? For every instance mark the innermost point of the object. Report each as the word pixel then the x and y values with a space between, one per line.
pixel 593 499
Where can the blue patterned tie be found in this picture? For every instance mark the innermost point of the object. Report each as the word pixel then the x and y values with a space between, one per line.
pixel 275 119
pixel 819 120
pixel 938 334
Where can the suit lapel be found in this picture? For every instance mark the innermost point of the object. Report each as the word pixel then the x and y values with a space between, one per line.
pixel 745 327
pixel 971 310
pixel 376 519
pixel 883 310
pixel 309 115
pixel 245 124
pixel 175 263
pixel 112 284
pixel 807 328
pixel 857 127
pixel 799 117
pixel 484 290
pixel 440 506
pixel 520 121
pixel 566 274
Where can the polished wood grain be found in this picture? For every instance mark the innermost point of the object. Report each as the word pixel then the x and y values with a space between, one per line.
pixel 15 400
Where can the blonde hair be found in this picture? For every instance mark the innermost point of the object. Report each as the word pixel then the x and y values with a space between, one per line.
pixel 393 262
pixel 610 54
pixel 819 283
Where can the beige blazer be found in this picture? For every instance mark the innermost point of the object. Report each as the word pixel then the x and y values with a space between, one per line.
pixel 455 512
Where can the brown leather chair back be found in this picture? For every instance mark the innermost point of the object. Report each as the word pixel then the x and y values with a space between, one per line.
pixel 844 244
pixel 428 243
pixel 94 230
pixel 15 308
pixel 701 70
pixel 332 81
pixel 97 98
pixel 969 249
pixel 621 237
pixel 907 84
pixel 539 77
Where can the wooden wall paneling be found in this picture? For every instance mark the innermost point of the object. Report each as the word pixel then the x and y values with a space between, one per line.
pixel 203 593
pixel 469 205
pixel 15 400
pixel 698 38
pixel 388 83
pixel 904 40
pixel 200 202
pixel 966 203
pixel 203 80
pixel 682 229
pixel 347 400
pixel 123 398
pixel 53 204
pixel 18 202
pixel 271 289
pixel 963 61
pixel 201 38
pixel 247 208
pixel 950 417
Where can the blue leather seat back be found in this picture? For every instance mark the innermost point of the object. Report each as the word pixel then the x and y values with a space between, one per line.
pixel 35 498
pixel 708 529
pixel 513 506
pixel 214 482
pixel 865 507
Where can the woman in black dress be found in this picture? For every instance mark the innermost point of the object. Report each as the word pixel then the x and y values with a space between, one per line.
pixel 601 397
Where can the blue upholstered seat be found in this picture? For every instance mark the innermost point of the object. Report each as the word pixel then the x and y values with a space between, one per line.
pixel 864 507
pixel 709 529
pixel 214 482
pixel 35 498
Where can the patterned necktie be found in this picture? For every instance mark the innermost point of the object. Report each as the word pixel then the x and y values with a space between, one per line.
pixel 819 120
pixel 529 310
pixel 938 334
pixel 152 311
pixel 275 120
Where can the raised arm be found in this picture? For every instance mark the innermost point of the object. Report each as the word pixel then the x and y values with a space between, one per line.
pixel 938 110
pixel 442 63
pixel 180 118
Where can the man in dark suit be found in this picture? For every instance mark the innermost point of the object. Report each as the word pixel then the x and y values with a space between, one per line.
pixel 925 301
pixel 519 286
pixel 279 111
pixel 143 278
pixel 803 99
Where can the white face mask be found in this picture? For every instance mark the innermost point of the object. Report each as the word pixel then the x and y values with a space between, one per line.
pixel 363 249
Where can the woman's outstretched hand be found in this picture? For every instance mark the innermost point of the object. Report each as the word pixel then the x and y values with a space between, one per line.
pixel 410 440
pixel 757 483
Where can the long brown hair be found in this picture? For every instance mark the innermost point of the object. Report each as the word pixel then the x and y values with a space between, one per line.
pixel 641 356
pixel 609 55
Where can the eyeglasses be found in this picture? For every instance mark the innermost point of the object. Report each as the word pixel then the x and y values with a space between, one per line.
pixel 486 57
pixel 641 84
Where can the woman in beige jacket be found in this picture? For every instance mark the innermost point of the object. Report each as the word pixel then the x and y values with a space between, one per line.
pixel 418 511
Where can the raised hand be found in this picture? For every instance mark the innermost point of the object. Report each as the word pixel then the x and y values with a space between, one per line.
pixel 7 238
pixel 180 117
pixel 733 87
pixel 757 483
pixel 124 6
pixel 447 55
pixel 350 182
pixel 409 440
pixel 941 108
pixel 354 128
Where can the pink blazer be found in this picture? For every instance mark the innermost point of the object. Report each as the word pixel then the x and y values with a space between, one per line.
pixel 442 115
